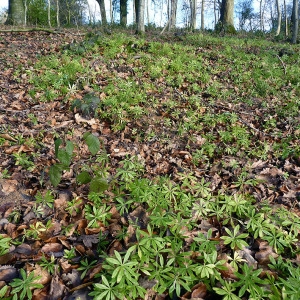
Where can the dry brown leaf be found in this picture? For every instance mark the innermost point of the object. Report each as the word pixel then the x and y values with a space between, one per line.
pixel 52 248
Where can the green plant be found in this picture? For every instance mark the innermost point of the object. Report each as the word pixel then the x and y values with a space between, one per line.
pixel 108 290
pixel 23 160
pixel 22 287
pixel 35 230
pixel 210 266
pixel 85 266
pixel 249 281
pixel 234 239
pixel 69 254
pixel 276 239
pixel 47 199
pixel 33 119
pixel 96 215
pixel 65 155
pixel 3 291
pixel 124 273
pixel 227 291
pixel 49 265
pixel 4 244
pixel 5 174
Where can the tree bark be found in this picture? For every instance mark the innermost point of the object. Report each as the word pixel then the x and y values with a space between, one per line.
pixel 49 14
pixel 16 13
pixel 173 13
pixel 202 15
pixel 123 12
pixel 226 18
pixel 278 17
pixel 286 20
pixel 140 12
pixel 57 14
pixel 102 11
pixel 261 14
pixel 295 21
pixel 193 4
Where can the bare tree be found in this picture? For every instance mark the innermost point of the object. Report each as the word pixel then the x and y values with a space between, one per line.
pixel 49 13
pixel 102 11
pixel 193 5
pixel 202 14
pixel 285 19
pixel 295 21
pixel 278 17
pixel 140 12
pixel 123 12
pixel 57 13
pixel 173 13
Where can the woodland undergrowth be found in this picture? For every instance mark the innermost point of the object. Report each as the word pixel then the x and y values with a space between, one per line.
pixel 154 167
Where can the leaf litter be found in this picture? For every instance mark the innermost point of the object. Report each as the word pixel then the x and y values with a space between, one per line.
pixel 29 126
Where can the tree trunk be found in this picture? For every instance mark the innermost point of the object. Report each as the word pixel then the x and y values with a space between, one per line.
pixel 102 11
pixel 49 14
pixel 295 21
pixel 16 13
pixel 26 10
pixel 172 23
pixel 286 20
pixel 123 12
pixel 111 11
pixel 193 4
pixel 202 15
pixel 215 12
pixel 226 18
pixel 278 17
pixel 57 14
pixel 261 14
pixel 140 12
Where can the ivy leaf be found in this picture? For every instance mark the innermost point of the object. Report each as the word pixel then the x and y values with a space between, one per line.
pixel 92 142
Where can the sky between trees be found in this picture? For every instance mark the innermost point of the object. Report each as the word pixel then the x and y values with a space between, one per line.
pixel 154 14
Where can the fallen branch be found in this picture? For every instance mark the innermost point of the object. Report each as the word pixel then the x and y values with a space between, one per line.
pixel 284 67
pixel 33 29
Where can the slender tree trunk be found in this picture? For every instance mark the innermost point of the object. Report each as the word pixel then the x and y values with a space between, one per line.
pixel 278 17
pixel 57 13
pixel 102 11
pixel 123 12
pixel 286 20
pixel 26 10
pixel 295 21
pixel 140 12
pixel 16 13
pixel 173 13
pixel 202 14
pixel 111 11
pixel 134 11
pixel 215 12
pixel 226 18
pixel 193 4
pixel 261 14
pixel 147 12
pixel 49 14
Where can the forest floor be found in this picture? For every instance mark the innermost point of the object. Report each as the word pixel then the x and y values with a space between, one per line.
pixel 181 151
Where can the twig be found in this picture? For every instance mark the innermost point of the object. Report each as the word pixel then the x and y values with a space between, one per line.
pixel 284 67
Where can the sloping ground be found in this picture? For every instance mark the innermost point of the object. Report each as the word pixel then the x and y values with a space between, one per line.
pixel 198 135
